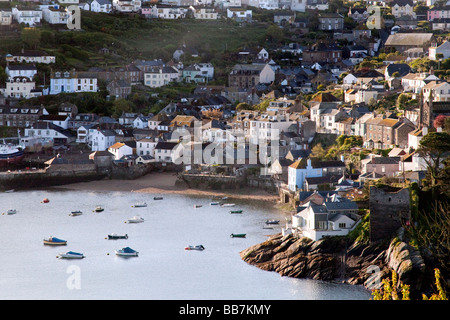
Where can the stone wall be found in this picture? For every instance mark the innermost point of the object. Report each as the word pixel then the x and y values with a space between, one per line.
pixel 389 211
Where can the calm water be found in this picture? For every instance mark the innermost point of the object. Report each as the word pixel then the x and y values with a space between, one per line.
pixel 163 270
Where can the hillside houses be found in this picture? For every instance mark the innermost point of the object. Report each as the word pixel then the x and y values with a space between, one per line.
pixel 288 95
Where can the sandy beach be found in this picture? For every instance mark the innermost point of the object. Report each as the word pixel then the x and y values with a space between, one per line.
pixel 164 183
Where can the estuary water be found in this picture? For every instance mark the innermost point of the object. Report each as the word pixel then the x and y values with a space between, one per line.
pixel 162 271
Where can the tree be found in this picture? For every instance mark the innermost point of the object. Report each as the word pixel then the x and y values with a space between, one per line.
pixel 401 100
pixel 243 106
pixel 439 122
pixel 318 151
pixel 274 33
pixel 432 148
pixel 31 37
pixel 120 106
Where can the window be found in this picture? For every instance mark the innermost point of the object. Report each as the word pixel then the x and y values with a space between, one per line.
pixel 342 225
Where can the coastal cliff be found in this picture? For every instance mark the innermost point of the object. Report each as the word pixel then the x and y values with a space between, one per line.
pixel 336 259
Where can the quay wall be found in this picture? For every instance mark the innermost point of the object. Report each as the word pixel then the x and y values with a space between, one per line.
pixel 42 179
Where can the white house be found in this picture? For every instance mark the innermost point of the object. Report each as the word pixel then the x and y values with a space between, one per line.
pixel 146 146
pixel 140 122
pixel 161 76
pixel 100 6
pixel 334 217
pixel 22 70
pixel 101 140
pixel 5 18
pixel 49 132
pixel 414 82
pixel 55 16
pixel 27 16
pixel 239 14
pixel 401 8
pixel 349 80
pixel 263 4
pixel 168 12
pixel 298 171
pixel 72 81
pixel 443 49
pixel 21 87
pixel 298 5
pixel 205 14
pixel 415 136
pixel 84 133
pixel 127 6
pixel 58 120
pixel 120 149
pixel 166 151
pixel 440 91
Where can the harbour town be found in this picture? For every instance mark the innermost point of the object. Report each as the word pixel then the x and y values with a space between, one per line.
pixel 316 133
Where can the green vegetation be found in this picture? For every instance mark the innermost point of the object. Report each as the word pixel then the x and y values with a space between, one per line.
pixel 362 231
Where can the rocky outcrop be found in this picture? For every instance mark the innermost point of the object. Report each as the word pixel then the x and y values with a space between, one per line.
pixel 407 262
pixel 336 259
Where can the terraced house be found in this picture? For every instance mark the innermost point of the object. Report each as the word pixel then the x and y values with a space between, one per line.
pixel 72 81
pixel 249 75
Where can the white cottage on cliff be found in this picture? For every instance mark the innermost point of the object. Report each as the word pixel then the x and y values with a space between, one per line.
pixel 335 216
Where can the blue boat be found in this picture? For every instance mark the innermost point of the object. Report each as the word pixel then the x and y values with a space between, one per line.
pixel 55 241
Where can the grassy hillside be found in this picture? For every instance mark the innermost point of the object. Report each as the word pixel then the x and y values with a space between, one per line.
pixel 130 37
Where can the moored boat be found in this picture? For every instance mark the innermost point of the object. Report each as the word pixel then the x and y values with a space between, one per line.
pixel 115 236
pixel 237 235
pixel 198 205
pixel 55 241
pixel 136 219
pixel 75 213
pixel 197 247
pixel 272 221
pixel 99 209
pixel 214 203
pixel 236 211
pixel 227 205
pixel 45 200
pixel 11 153
pixel 11 211
pixel 157 198
pixel 71 255
pixel 139 205
pixel 127 252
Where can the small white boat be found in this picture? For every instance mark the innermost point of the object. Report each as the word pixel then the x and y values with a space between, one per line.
pixel 140 205
pixel 75 213
pixel 127 252
pixel 99 209
pixel 71 255
pixel 227 205
pixel 225 198
pixel 136 219
pixel 11 211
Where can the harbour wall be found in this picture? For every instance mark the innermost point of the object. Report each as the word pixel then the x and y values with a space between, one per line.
pixel 22 180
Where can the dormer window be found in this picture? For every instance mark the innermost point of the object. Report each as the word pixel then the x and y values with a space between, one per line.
pixel 58 74
pixel 66 74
